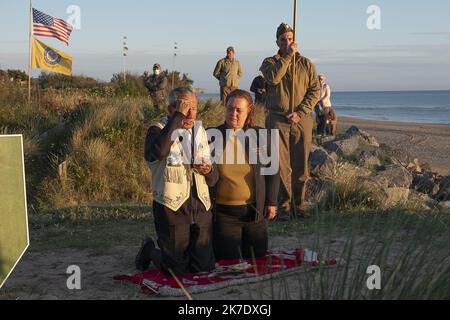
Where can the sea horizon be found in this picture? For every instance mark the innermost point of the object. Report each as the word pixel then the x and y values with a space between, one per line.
pixel 357 91
pixel 414 106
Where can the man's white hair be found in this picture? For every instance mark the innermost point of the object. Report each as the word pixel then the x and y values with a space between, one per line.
pixel 175 94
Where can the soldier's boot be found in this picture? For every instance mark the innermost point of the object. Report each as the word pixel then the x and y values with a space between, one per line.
pixel 300 202
pixel 285 211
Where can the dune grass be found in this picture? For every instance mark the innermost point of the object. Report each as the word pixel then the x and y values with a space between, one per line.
pixel 412 251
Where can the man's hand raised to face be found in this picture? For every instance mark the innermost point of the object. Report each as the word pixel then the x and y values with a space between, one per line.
pixel 183 106
pixel 293 48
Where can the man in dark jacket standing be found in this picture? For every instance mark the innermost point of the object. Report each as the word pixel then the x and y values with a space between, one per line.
pixel 258 87
pixel 295 126
pixel 156 84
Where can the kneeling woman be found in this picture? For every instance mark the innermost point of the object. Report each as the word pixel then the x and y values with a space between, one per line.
pixel 245 200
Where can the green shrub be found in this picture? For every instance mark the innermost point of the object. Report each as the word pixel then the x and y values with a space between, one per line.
pixel 60 81
pixel 132 85
pixel 346 195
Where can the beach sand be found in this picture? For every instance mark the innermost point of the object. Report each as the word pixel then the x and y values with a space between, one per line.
pixel 430 143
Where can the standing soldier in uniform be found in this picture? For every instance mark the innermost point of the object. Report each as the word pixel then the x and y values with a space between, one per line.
pixel 228 71
pixel 156 84
pixel 295 127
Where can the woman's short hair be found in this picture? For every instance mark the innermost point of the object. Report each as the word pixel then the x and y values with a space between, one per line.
pixel 242 94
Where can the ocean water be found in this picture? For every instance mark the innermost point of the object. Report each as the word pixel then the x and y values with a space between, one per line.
pixel 402 106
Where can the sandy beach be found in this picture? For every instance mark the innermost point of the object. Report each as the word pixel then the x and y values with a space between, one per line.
pixel 430 143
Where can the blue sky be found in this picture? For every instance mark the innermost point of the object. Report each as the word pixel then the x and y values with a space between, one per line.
pixel 410 52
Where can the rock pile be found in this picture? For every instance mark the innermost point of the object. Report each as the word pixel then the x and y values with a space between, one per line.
pixel 393 177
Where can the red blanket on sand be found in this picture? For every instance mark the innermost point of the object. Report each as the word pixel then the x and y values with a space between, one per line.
pixel 227 273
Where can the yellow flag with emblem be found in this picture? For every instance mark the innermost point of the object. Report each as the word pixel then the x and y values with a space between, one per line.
pixel 47 58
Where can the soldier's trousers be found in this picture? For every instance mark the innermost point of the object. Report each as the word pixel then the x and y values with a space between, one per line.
pixel 295 147
pixel 225 91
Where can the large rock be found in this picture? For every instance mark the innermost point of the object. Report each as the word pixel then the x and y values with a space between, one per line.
pixel 366 138
pixel 344 147
pixel 353 139
pixel 321 164
pixel 319 190
pixel 425 183
pixel 386 197
pixel 397 156
pixel 369 157
pixel 397 176
pixel 445 205
pixel 444 189
pixel 52 133
pixel 372 184
pixel 345 171
pixel 415 166
pixel 375 188
pixel 422 201
pixel 396 196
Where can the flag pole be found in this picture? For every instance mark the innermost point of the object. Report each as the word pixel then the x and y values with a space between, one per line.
pixel 175 47
pixel 124 55
pixel 173 71
pixel 123 69
pixel 30 52
pixel 294 71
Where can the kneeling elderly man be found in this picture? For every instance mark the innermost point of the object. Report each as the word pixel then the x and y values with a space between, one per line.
pixel 177 151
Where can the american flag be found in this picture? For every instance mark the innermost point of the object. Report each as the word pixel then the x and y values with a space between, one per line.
pixel 47 26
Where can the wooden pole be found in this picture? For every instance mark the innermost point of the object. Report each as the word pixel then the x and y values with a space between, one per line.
pixel 124 55
pixel 294 69
pixel 175 47
pixel 123 69
pixel 30 52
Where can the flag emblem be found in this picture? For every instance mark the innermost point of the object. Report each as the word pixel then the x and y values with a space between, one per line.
pixel 51 56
